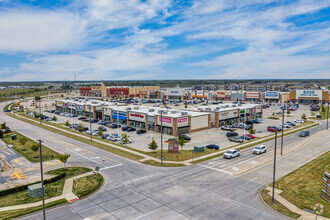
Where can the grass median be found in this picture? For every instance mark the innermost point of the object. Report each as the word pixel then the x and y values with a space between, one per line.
pixel 87 185
pixel 26 149
pixel 303 187
pixel 155 163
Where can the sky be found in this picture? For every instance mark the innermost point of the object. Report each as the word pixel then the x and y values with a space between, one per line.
pixel 164 39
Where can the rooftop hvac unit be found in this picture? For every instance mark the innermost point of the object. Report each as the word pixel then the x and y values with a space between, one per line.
pixel 151 110
pixel 200 109
pixel 128 108
pixel 208 109
pixel 165 112
pixel 136 107
pixel 233 106
pixel 184 113
pixel 160 111
pixel 227 106
pixel 239 104
pixel 217 107
pixel 173 112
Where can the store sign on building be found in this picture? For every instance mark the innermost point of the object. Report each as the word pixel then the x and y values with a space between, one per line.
pixel 174 92
pixel 244 111
pixel 166 121
pixel 271 95
pixel 252 95
pixel 309 93
pixel 80 107
pixel 136 117
pixel 182 122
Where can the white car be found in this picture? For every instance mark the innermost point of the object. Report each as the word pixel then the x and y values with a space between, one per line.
pixel 231 154
pixel 285 125
pixel 299 121
pixel 260 149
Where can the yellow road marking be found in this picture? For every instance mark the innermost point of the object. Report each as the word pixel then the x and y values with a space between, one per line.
pixel 16 161
pixel 17 175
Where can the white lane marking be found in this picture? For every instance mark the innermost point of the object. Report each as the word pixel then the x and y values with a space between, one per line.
pixel 77 149
pixel 218 163
pixel 117 165
pixel 95 157
pixel 86 157
pixel 212 168
pixel 234 168
pixel 245 161
pixel 253 162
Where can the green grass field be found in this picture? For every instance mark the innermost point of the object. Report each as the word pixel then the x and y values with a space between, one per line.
pixel 87 185
pixel 302 187
pixel 26 151
pixel 52 189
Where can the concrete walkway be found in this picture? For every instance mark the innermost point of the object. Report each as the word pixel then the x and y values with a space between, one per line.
pixel 66 194
pixel 146 157
pixel 304 215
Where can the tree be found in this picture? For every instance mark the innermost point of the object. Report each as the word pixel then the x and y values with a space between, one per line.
pixel 3 125
pixel 273 114
pixel 54 118
pixel 35 147
pixel 80 127
pixel 37 98
pixel 181 142
pixel 303 117
pixel 288 111
pixel 153 145
pixel 23 140
pixel 252 131
pixel 67 123
pixel 100 133
pixel 63 158
pixel 1 133
pixel 124 138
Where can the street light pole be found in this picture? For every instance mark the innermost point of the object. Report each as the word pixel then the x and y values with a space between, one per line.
pixel 40 109
pixel 90 121
pixel 328 114
pixel 282 131
pixel 274 166
pixel 161 137
pixel 42 181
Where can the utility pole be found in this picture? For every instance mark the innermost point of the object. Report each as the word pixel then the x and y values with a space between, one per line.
pixel 274 166
pixel 42 181
pixel 161 137
pixel 282 131
pixel 90 121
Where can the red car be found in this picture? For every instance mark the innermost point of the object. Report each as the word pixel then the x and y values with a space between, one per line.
pixel 251 136
pixel 292 109
pixel 271 129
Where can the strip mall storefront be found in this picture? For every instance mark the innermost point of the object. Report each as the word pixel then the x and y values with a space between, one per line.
pixel 272 97
pixel 252 96
pixel 309 96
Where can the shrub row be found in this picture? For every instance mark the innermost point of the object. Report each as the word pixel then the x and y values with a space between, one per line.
pixel 25 187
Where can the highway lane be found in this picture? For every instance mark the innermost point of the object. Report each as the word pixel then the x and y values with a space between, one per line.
pixel 137 191
pixel 248 161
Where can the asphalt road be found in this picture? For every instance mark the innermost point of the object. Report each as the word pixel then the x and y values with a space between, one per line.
pixel 137 191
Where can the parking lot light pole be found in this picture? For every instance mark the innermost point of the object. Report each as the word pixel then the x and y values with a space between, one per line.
pixel 328 114
pixel 161 137
pixel 282 132
pixel 40 109
pixel 274 166
pixel 42 181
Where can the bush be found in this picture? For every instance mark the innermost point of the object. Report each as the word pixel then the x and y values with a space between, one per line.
pixel 25 187
pixel 23 140
pixel 35 147
pixel 7 130
pixel 67 123
pixel 1 133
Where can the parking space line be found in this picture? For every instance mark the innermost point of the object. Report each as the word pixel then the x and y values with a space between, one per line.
pixel 17 175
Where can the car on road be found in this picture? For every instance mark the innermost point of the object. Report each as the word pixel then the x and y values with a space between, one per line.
pixel 299 121
pixel 236 139
pixel 141 131
pixel 129 129
pixel 227 128
pixel 260 149
pixel 231 154
pixel 185 137
pixel 231 134
pixel 304 134
pixel 212 146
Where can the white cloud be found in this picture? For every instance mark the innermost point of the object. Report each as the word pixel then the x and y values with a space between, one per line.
pixel 40 31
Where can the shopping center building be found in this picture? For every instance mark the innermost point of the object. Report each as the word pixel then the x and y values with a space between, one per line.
pixel 309 96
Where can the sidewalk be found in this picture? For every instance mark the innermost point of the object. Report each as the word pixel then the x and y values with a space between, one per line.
pixel 146 157
pixel 66 194
pixel 304 215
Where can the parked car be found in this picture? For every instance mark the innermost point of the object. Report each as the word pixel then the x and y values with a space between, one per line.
pixel 245 137
pixel 304 134
pixel 213 146
pixel 251 136
pixel 285 125
pixel 72 125
pixel 101 122
pixel 141 131
pixel 88 131
pixel 291 123
pixel 82 118
pixel 130 129
pixel 122 142
pixel 257 121
pixel 104 136
pixel 187 138
pixel 260 149
pixel 83 129
pixel 103 128
pixel 280 112
pixel 238 125
pixel 108 124
pixel 299 121
pixel 115 126
pixel 231 154
pixel 271 128
pixel 94 121
pixel 95 132
pixel 292 109
pixel 236 139
pixel 248 127
pixel 124 128
pixel 227 128
pixel 231 134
